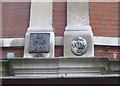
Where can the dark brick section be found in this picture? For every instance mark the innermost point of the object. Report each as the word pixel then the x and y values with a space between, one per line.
pixel 18 51
pixel 86 80
pixel 108 51
pixel 0 27
pixel 59 51
pixel 119 19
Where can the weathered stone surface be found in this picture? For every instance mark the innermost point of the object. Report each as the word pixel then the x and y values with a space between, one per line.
pixel 41 23
pixel 61 67
pixel 39 43
pixel 79 46
pixel 78 25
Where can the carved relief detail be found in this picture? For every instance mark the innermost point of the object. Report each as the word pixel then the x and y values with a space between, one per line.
pixel 79 46
pixel 39 43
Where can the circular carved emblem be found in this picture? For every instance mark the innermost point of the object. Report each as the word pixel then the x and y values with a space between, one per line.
pixel 79 46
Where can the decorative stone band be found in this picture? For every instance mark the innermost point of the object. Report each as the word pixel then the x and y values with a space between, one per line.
pixel 102 41
pixel 60 67
pixel 78 28
pixel 40 29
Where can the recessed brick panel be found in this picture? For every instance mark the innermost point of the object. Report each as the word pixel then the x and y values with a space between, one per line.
pixel 59 51
pixel 59 17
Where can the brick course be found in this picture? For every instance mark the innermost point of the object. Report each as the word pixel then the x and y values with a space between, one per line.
pixel 59 17
pixel 15 19
pixel 104 18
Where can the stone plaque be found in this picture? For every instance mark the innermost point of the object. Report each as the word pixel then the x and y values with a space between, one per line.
pixel 39 43
pixel 79 46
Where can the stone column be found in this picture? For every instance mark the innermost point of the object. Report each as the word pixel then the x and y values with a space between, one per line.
pixel 78 36
pixel 40 26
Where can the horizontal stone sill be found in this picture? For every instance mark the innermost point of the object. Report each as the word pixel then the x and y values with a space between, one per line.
pixel 17 42
pixel 59 67
pixel 78 76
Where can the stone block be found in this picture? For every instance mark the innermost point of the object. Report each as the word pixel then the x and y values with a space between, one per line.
pixel 39 43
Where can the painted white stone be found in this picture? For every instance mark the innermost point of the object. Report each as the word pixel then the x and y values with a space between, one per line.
pixel 77 13
pixel 41 14
pixel 40 22
pixel 63 67
pixel 78 26
pixel 18 42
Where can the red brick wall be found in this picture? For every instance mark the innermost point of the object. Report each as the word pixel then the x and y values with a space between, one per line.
pixel 103 19
pixel 59 22
pixel 15 21
pixel 18 52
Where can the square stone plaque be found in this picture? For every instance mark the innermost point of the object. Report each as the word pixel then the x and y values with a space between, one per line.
pixel 39 43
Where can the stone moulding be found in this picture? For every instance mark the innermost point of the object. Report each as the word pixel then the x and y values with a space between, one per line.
pixel 60 67
pixel 19 42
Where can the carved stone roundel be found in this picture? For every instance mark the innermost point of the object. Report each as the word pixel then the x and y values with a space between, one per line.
pixel 79 46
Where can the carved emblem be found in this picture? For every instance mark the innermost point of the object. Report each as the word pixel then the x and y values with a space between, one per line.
pixel 39 43
pixel 79 46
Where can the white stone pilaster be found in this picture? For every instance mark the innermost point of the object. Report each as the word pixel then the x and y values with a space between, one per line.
pixel 40 22
pixel 78 26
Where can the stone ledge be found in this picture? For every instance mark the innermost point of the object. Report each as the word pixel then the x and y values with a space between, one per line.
pixel 19 42
pixel 61 67
pixel 79 76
